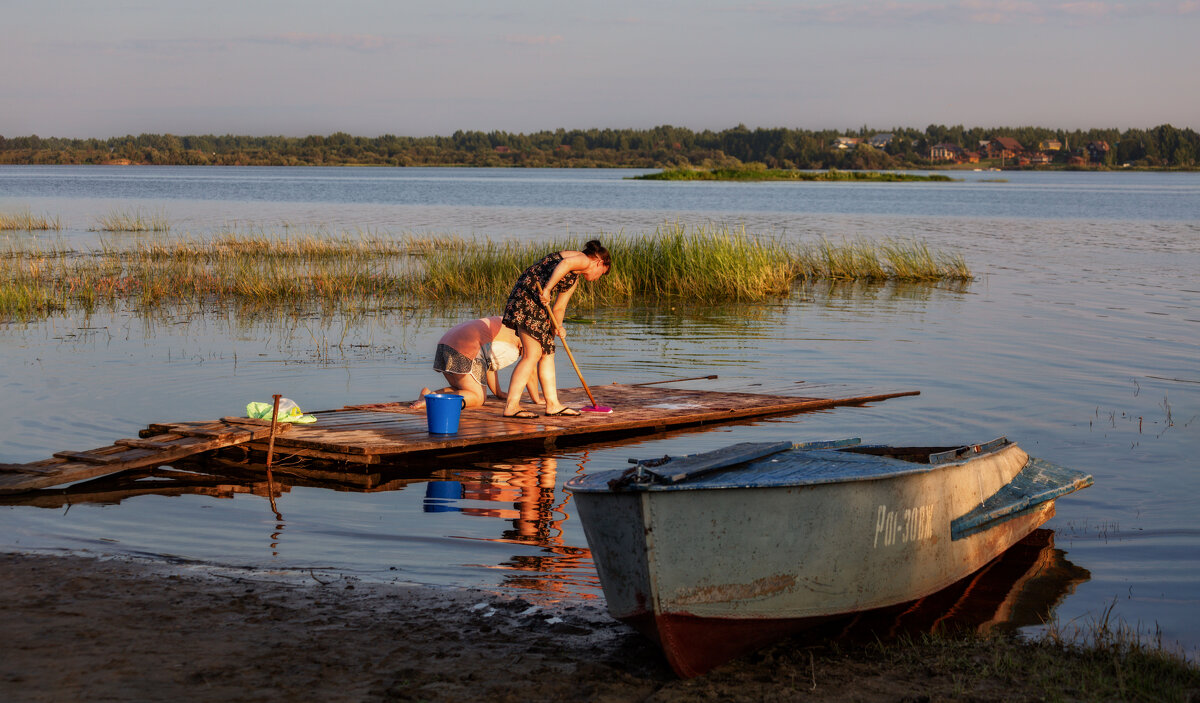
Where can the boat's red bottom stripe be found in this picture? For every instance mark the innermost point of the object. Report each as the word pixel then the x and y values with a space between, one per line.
pixel 693 645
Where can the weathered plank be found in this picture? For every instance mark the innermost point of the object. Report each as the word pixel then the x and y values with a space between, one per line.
pixel 69 467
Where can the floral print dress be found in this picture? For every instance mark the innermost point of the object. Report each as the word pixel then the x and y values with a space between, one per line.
pixel 524 310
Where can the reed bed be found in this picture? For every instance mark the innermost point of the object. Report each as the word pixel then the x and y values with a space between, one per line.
pixel 699 264
pixel 348 275
pixel 28 222
pixel 132 221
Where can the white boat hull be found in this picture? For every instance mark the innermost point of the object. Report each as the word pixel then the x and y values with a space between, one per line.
pixel 702 571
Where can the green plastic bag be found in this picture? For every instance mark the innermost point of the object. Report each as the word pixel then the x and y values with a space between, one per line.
pixel 288 412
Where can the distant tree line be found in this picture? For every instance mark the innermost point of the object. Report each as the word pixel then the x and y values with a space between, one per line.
pixel 661 147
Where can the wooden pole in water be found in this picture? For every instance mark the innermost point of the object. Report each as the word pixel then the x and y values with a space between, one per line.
pixel 270 452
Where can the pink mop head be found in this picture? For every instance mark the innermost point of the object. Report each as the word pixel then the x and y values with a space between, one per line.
pixel 596 409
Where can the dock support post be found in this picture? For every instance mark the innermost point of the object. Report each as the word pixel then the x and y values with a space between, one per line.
pixel 270 451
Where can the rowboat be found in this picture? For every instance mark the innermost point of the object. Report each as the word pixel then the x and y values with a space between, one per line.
pixel 716 554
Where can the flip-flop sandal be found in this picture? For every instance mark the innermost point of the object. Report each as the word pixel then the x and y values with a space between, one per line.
pixel 565 412
pixel 521 415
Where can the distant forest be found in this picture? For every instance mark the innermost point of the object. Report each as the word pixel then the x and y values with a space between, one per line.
pixel 1163 147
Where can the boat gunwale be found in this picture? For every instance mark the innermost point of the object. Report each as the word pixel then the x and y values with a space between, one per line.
pixel 599 481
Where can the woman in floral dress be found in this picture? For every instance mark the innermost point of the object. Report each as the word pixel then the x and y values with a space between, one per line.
pixel 557 274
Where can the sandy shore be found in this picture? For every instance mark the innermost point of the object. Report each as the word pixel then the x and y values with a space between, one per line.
pixel 81 629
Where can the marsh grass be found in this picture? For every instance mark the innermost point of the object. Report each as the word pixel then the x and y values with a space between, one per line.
pixel 1103 660
pixel 698 264
pixel 350 274
pixel 132 221
pixel 28 222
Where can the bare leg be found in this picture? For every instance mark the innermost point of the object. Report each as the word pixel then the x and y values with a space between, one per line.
pixel 531 352
pixel 547 377
pixel 468 388
pixel 465 385
pixel 420 401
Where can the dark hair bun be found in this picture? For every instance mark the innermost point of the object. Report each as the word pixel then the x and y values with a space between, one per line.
pixel 596 250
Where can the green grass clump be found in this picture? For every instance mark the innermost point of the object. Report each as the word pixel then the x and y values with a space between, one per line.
pixel 701 264
pixel 131 221
pixel 28 222
pixel 890 260
pixel 1103 662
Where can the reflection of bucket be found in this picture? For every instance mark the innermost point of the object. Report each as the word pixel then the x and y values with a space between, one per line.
pixel 442 411
pixel 440 496
pixel 444 489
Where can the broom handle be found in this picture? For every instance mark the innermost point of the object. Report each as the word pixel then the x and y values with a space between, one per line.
pixel 558 330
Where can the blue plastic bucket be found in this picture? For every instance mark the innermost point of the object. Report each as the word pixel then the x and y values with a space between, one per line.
pixel 442 411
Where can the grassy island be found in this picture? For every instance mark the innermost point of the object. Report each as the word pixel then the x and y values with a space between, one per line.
pixel 783 174
pixel 352 274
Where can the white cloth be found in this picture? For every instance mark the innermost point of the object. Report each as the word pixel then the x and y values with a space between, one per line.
pixel 500 354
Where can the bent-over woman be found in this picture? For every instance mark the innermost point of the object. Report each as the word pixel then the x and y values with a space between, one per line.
pixel 557 275
pixel 470 354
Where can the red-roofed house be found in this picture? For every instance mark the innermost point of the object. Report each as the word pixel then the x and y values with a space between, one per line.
pixel 1004 148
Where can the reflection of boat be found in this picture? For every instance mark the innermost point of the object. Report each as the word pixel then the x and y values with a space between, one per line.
pixel 1019 588
pixel 715 554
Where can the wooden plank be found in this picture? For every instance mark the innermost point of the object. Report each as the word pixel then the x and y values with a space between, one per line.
pixel 148 443
pixel 327 455
pixel 70 471
pixel 95 456
pixel 679 469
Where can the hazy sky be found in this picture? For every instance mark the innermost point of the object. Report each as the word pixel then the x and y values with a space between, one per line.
pixel 260 67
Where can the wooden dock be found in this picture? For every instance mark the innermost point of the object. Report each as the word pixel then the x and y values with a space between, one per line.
pixel 388 433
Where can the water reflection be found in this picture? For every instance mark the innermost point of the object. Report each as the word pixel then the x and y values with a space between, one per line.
pixel 521 500
pixel 1020 588
pixel 534 511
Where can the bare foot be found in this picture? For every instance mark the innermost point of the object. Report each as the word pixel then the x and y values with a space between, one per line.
pixel 420 402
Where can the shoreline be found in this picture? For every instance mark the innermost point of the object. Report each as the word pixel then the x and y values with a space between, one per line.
pixel 83 628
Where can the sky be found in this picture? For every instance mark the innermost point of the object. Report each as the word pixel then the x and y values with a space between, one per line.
pixel 102 68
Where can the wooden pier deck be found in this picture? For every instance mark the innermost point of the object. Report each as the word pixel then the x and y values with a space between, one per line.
pixel 380 433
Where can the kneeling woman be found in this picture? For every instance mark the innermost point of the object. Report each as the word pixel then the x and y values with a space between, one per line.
pixel 557 275
pixel 470 354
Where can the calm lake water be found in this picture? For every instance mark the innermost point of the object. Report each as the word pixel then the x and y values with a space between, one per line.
pixel 1078 339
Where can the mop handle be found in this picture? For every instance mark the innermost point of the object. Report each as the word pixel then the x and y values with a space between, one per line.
pixel 558 330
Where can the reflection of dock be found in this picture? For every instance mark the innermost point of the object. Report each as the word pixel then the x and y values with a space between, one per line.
pixel 366 435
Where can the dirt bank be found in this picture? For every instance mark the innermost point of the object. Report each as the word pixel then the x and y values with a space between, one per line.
pixel 80 629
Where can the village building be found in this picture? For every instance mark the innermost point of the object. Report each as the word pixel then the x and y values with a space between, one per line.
pixel 881 140
pixel 1098 151
pixel 1050 145
pixel 946 152
pixel 846 142
pixel 1004 148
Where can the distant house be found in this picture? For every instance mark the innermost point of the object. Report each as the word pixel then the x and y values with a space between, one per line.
pixel 1039 158
pixel 946 152
pixel 1097 151
pixel 881 140
pixel 1050 145
pixel 502 149
pixel 846 142
pixel 1004 148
